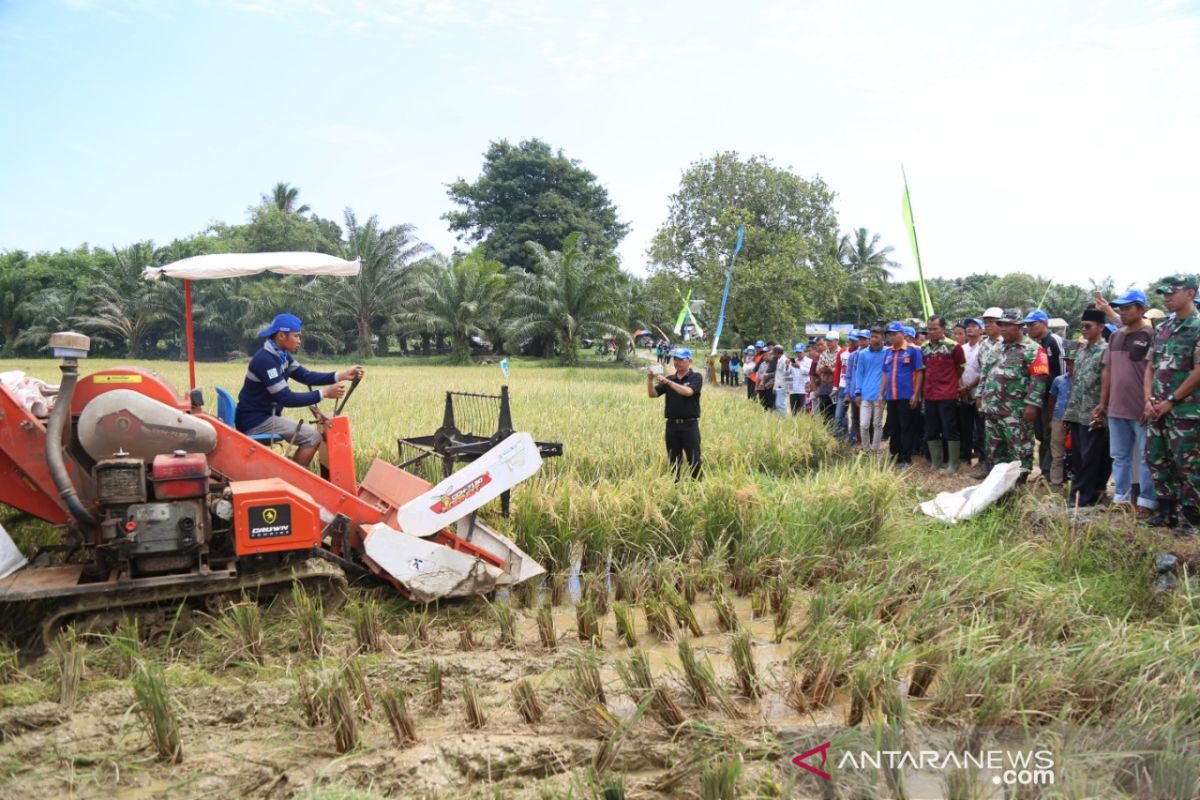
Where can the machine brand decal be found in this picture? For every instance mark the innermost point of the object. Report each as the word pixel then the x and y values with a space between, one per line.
pixel 270 522
pixel 459 496
pixel 117 378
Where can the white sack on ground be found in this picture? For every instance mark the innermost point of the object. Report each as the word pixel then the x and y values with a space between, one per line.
pixel 966 503
pixel 11 559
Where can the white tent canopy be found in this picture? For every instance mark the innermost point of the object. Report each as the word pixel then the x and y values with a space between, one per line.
pixel 236 265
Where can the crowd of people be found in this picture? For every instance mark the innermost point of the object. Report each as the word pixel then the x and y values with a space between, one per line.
pixel 1119 401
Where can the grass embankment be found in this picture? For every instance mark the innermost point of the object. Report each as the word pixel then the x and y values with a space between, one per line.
pixel 1017 618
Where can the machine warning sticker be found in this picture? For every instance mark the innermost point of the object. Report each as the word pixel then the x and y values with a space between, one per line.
pixel 269 522
pixel 117 378
pixel 459 496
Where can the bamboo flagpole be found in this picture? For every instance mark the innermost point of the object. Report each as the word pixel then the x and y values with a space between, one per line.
pixel 725 294
pixel 906 209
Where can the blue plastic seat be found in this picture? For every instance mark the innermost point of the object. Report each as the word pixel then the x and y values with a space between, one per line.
pixel 227 411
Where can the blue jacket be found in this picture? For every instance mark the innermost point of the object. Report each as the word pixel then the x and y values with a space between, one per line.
pixel 868 372
pixel 265 391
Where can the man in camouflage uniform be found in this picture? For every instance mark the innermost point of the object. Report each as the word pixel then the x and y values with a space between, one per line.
pixel 1014 388
pixel 989 346
pixel 1173 408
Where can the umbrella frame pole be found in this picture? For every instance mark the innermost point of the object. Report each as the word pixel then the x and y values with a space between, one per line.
pixel 188 333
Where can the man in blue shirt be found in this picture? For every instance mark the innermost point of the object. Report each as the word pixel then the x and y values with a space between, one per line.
pixel 265 391
pixel 903 373
pixel 868 391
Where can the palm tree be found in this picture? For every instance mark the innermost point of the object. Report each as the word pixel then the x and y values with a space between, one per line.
pixel 370 300
pixel 17 290
pixel 868 270
pixel 283 197
pixel 460 299
pixel 570 294
pixel 132 319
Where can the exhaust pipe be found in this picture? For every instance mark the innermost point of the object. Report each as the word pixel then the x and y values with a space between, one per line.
pixel 70 347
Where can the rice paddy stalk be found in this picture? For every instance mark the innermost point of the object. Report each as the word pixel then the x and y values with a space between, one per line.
pixel 783 615
pixel 68 652
pixel 395 706
pixel 525 593
pixel 309 611
pixel 154 708
pixel 759 602
pixel 415 625
pixel 588 624
pixel 545 623
pixel 666 709
pixel 924 671
pixel 476 719
pixel 585 671
pixel 625 628
pixel 658 618
pixel 526 700
pixel 433 685
pixel 507 622
pixel 693 673
pixel 242 626
pixel 606 754
pixel 720 780
pixel 9 663
pixel 743 663
pixel 342 716
pixel 635 674
pixel 558 588
pixel 690 586
pixel 356 684
pixel 367 625
pixel 727 618
pixel 466 636
pixel 684 615
pixel 311 695
pixel 595 591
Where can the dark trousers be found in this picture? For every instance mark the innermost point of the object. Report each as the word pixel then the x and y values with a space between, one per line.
pixel 1041 431
pixel 767 399
pixel 901 428
pixel 941 420
pixel 733 378
pixel 725 376
pixel 1091 464
pixel 749 389
pixel 825 406
pixel 968 417
pixel 796 403
pixel 683 440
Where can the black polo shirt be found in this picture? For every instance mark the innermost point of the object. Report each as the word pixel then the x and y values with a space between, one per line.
pixel 677 406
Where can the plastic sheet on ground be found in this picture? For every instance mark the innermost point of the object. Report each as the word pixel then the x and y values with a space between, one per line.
pixel 11 559
pixel 966 503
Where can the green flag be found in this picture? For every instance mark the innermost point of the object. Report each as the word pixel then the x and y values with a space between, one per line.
pixel 683 313
pixel 906 209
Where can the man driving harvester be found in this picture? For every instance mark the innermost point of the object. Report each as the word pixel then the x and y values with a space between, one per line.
pixel 265 391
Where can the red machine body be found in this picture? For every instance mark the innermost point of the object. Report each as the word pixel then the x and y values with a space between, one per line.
pixel 269 516
pixel 179 475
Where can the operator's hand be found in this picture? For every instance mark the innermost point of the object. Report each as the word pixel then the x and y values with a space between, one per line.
pixel 351 373
pixel 334 391
pixel 1031 413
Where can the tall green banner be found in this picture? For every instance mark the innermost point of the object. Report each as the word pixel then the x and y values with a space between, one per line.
pixel 906 210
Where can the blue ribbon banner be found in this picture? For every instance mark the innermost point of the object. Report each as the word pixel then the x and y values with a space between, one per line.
pixel 725 294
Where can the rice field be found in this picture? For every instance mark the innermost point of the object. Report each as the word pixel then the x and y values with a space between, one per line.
pixel 688 641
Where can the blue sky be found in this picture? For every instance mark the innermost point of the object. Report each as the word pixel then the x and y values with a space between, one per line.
pixel 1050 137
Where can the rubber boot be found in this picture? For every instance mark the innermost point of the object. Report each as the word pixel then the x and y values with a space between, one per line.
pixel 985 469
pixel 952 451
pixel 935 453
pixel 1165 518
pixel 1023 478
pixel 1187 522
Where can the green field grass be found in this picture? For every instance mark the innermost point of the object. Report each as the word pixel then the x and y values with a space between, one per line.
pixel 1019 619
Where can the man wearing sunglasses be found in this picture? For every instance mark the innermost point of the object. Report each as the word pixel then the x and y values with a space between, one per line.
pixel 1173 408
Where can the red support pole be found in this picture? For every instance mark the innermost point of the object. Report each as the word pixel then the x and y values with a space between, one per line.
pixel 191 341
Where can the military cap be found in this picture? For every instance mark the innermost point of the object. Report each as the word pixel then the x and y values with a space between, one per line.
pixel 1173 283
pixel 1011 316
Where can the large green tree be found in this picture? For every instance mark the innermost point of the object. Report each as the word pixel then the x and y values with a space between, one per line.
pixel 790 229
pixel 459 298
pixel 530 193
pixel 568 295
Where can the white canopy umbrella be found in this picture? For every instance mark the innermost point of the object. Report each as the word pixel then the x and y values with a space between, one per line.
pixel 237 265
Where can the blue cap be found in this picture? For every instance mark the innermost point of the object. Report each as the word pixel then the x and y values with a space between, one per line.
pixel 799 348
pixel 909 330
pixel 283 323
pixel 969 320
pixel 852 336
pixel 895 327
pixel 1037 316
pixel 760 343
pixel 1131 296
pixel 681 352
pixel 1110 328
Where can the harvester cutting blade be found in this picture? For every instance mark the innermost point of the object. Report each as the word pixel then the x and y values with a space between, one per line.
pixel 427 569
